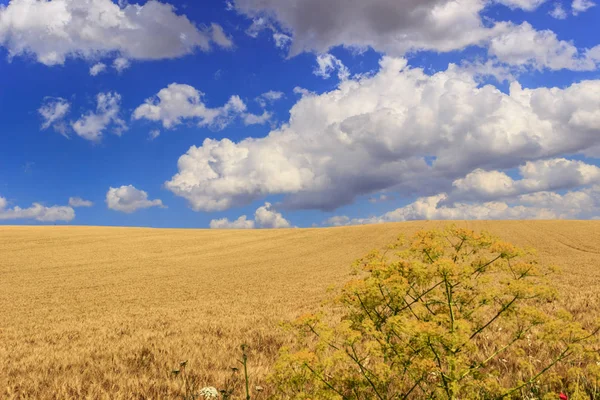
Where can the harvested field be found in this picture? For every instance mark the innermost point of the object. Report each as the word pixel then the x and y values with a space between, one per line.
pixel 109 312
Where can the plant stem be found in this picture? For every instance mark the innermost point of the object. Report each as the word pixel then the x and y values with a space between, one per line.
pixel 245 363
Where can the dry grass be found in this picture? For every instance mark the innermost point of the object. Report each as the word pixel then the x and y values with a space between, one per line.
pixel 108 312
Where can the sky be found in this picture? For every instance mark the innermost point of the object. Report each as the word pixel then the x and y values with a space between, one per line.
pixel 297 113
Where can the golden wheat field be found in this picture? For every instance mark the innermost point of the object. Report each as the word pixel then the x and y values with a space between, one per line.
pixel 107 313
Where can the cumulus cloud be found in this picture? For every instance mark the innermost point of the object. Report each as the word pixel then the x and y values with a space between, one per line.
pixel 53 111
pixel 396 28
pixel 340 220
pixel 97 69
pixel 267 217
pixel 79 202
pixel 399 130
pixel 524 46
pixel 543 175
pixel 241 223
pixel 92 125
pixel 52 31
pixel 177 102
pixel 128 199
pixel 580 6
pixel 583 204
pixel 481 70
pixel 37 212
pixel 264 217
pixel 391 26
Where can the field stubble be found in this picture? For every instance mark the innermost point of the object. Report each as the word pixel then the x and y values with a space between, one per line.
pixel 109 312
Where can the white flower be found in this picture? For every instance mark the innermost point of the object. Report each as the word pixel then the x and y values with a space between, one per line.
pixel 209 393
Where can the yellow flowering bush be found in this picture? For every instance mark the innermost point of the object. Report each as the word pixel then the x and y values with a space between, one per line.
pixel 452 314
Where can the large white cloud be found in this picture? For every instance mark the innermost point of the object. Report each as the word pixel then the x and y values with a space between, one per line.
pixel 128 199
pixel 543 175
pixel 264 217
pixel 91 126
pixel 52 31
pixel 391 26
pixel 526 47
pixel 400 129
pixel 400 27
pixel 37 211
pixel 542 205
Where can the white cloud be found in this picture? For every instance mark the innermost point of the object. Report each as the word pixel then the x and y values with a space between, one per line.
pixel 267 217
pixel 264 217
pixel 580 6
pixel 128 199
pixel 241 223
pixel 302 91
pixel 92 125
pixel 252 119
pixel 558 11
pixel 327 63
pixel 282 40
pixel 582 204
pixel 220 37
pixel 97 69
pixel 53 31
pixel 400 130
pixel 339 220
pixel 272 95
pixel 528 5
pixel 37 212
pixel 79 202
pixel 154 134
pixel 543 175
pixel 481 70
pixel 396 28
pixel 533 197
pixel 269 97
pixel 258 25
pixel 524 46
pixel 178 102
pixel 53 111
pixel 121 64
pixel 390 26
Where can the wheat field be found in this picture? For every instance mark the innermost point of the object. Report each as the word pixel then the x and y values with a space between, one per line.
pixel 108 313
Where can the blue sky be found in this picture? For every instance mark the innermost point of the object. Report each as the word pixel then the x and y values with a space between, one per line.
pixel 319 114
